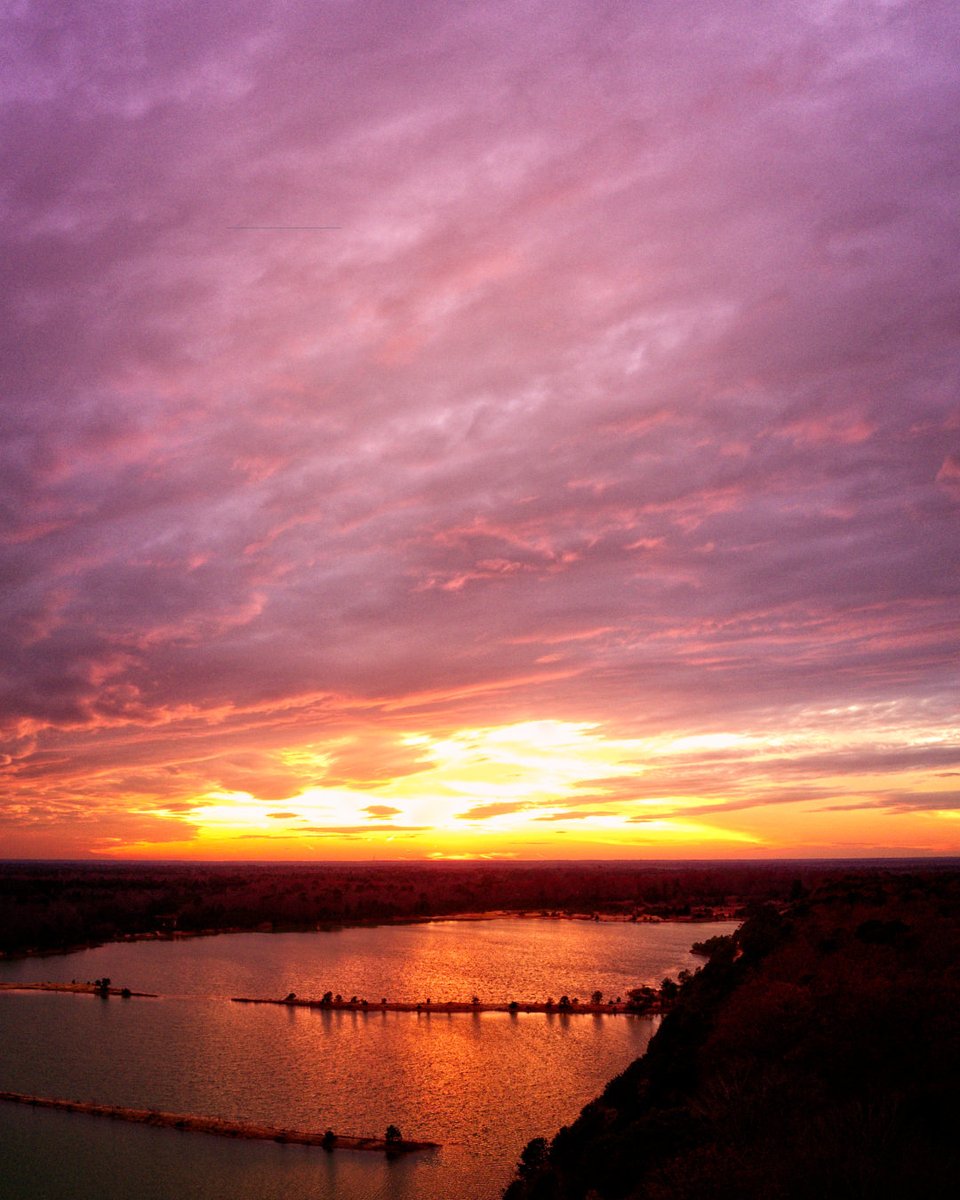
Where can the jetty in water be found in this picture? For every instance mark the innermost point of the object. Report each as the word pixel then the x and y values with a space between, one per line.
pixel 651 1004
pixel 560 1007
pixel 190 1123
pixel 78 989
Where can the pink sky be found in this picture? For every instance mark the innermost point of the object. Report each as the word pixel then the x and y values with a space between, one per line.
pixel 593 488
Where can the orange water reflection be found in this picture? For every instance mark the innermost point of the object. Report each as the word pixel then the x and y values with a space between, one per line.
pixel 480 1084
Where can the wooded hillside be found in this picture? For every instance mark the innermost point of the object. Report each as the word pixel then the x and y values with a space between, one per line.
pixel 817 1055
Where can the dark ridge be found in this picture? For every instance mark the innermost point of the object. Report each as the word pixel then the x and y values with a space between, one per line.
pixel 816 1055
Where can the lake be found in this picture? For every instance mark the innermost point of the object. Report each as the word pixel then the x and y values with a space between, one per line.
pixel 480 1084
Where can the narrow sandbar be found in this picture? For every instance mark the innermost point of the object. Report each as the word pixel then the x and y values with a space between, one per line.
pixel 78 989
pixel 606 1009
pixel 190 1123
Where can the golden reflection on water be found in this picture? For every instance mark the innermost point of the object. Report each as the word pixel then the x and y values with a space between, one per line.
pixel 482 1084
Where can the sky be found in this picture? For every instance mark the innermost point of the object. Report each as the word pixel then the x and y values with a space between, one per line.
pixel 512 430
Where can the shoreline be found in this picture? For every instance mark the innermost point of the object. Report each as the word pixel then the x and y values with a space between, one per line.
pixel 176 935
pixel 246 1130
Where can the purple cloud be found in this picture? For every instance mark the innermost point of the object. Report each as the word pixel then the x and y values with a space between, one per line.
pixel 625 390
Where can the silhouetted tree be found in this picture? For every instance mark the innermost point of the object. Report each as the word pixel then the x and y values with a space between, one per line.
pixel 533 1158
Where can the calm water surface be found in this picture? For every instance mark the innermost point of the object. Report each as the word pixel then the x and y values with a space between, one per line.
pixel 481 1084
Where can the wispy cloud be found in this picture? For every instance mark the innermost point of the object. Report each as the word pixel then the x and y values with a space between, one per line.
pixel 623 392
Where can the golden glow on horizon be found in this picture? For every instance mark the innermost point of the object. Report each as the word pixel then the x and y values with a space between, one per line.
pixel 480 791
pixel 555 789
